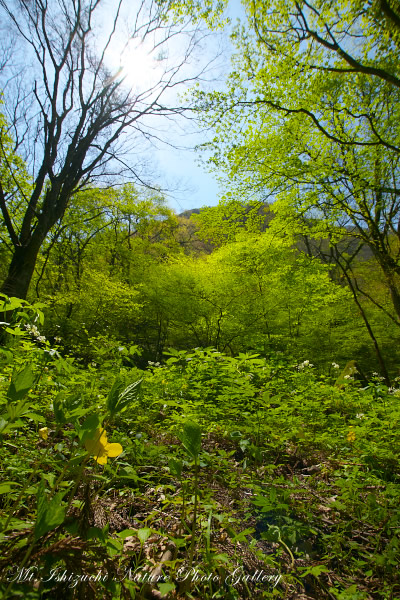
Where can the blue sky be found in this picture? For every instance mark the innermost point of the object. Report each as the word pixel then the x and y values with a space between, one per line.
pixel 191 186
pixel 171 161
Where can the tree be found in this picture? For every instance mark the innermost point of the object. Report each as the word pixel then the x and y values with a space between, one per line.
pixel 14 183
pixel 254 292
pixel 102 223
pixel 90 268
pixel 310 120
pixel 71 117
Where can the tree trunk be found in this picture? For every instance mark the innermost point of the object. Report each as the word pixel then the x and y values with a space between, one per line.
pixel 394 292
pixel 22 268
pixel 378 352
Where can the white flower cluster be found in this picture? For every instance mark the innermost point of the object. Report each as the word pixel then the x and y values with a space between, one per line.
pixel 394 391
pixel 377 376
pixel 348 377
pixel 335 365
pixel 33 330
pixel 52 352
pixel 305 363
pixel 153 364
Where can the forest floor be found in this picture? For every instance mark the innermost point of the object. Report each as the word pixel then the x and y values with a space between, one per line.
pixel 226 477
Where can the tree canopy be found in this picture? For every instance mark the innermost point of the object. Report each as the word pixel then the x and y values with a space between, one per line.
pixel 310 121
pixel 70 113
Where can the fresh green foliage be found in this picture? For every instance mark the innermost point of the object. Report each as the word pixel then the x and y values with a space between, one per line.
pixel 211 457
pixel 50 514
pixel 309 121
pixel 191 439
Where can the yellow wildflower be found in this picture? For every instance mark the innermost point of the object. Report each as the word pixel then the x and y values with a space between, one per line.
pixel 100 448
pixel 44 433
pixel 351 436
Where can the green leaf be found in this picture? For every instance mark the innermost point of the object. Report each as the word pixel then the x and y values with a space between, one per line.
pixel 316 570
pixel 9 304
pixel 7 426
pixel 241 537
pixel 77 459
pixel 96 533
pixel 16 331
pixel 21 382
pixel 166 587
pixel 129 394
pixel 272 535
pixel 3 425
pixel 144 533
pixel 16 411
pixel 58 408
pixel 114 546
pixel 35 417
pixel 126 533
pixel 117 401
pixel 191 438
pixel 15 525
pixel 128 472
pixel 50 514
pixel 73 402
pixel 113 396
pixel 88 427
pixel 175 467
pixel 221 557
pixel 7 486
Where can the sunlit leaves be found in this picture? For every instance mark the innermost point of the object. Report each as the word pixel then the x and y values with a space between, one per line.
pixel 120 397
pixel 50 511
pixel 191 438
pixel 21 383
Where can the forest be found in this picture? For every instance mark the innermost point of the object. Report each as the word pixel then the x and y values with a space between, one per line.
pixel 201 404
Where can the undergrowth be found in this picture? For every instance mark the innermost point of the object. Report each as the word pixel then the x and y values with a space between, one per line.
pixel 206 476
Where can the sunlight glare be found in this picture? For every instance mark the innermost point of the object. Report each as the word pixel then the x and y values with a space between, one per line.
pixel 141 66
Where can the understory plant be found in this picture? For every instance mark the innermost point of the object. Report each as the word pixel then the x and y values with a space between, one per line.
pixel 205 475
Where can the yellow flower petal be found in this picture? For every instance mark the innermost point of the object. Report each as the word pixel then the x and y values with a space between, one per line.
pixel 99 447
pixel 351 436
pixel 96 444
pixel 44 433
pixel 102 459
pixel 114 450
pixel 103 437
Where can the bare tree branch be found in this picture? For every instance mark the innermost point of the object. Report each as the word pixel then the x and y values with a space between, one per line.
pixel 75 118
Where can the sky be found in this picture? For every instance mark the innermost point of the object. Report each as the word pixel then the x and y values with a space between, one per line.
pixel 189 183
pixel 196 186
pixel 171 160
pixel 193 186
